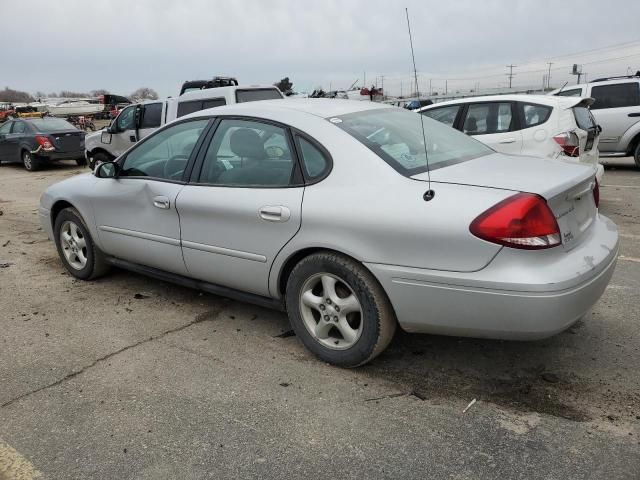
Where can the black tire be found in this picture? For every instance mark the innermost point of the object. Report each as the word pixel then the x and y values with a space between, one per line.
pixel 31 162
pixel 636 155
pixel 81 162
pixel 96 264
pixel 99 157
pixel 378 321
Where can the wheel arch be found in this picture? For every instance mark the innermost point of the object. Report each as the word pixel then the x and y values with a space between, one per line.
pixel 91 153
pixel 57 207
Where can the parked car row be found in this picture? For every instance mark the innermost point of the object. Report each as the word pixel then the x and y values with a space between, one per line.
pixel 439 234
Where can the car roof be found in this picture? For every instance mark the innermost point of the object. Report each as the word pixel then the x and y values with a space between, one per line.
pixel 562 102
pixel 319 107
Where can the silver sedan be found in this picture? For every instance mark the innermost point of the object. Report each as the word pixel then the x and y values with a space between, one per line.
pixel 351 216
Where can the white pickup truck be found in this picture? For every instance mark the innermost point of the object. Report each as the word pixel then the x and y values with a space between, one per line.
pixel 139 120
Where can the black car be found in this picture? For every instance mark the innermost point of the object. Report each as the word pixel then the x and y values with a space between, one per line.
pixel 36 141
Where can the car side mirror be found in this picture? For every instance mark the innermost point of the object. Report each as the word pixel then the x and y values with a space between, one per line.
pixel 105 137
pixel 107 170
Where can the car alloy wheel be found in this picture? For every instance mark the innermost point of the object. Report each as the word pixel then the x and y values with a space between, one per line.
pixel 74 245
pixel 27 160
pixel 331 312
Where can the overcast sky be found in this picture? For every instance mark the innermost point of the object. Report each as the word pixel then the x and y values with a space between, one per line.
pixel 121 45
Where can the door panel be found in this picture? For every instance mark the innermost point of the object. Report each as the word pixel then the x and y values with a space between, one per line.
pixel 134 224
pixel 230 236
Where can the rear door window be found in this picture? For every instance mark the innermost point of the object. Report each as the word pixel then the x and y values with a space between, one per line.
pixel 6 128
pixel 446 115
pixel 152 115
pixel 19 127
pixel 535 114
pixel 616 96
pixel 257 94
pixel 488 118
pixel 314 161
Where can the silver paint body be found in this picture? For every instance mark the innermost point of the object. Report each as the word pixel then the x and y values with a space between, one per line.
pixel 439 277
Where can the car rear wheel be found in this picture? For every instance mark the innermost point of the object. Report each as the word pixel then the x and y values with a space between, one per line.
pixel 339 310
pixel 30 162
pixel 78 253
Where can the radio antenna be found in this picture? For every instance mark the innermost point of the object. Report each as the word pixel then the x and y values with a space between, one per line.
pixel 429 194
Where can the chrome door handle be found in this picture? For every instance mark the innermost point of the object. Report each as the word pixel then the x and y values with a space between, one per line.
pixel 161 202
pixel 508 140
pixel 275 213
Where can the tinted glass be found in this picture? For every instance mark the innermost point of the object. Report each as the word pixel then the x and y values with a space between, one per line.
pixel 126 120
pixel 584 118
pixel 535 114
pixel 246 153
pixel 214 102
pixel 51 124
pixel 6 128
pixel 487 118
pixel 314 161
pixel 152 116
pixel 164 155
pixel 396 136
pixel 616 96
pixel 574 92
pixel 185 108
pixel 19 127
pixel 446 115
pixel 254 95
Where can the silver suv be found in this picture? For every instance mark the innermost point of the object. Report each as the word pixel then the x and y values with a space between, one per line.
pixel 617 111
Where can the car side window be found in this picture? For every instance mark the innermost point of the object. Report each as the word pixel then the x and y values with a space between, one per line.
pixel 616 96
pixel 152 116
pixel 487 118
pixel 535 114
pixel 446 115
pixel 166 154
pixel 573 92
pixel 184 108
pixel 248 153
pixel 19 127
pixel 126 120
pixel 314 161
pixel 6 128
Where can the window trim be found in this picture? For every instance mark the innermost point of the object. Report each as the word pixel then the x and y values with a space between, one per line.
pixel 297 179
pixel 194 153
pixel 516 123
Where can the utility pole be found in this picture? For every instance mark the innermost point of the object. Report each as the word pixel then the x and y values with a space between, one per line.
pixel 510 74
pixel 430 90
pixel 400 88
pixel 382 84
pixel 364 81
pixel 549 75
pixel 446 87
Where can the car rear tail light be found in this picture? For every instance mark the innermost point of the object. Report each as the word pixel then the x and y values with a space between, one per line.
pixel 569 143
pixel 596 194
pixel 45 143
pixel 521 221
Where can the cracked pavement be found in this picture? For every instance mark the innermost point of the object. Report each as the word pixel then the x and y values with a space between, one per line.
pixel 95 383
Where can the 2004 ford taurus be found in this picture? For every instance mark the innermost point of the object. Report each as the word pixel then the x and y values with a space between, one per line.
pixel 351 218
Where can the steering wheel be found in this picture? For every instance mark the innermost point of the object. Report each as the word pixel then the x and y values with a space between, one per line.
pixel 174 168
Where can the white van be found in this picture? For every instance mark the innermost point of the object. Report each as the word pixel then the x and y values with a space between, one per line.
pixel 138 120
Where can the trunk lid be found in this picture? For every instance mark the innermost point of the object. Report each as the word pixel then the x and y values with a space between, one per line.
pixel 567 186
pixel 68 141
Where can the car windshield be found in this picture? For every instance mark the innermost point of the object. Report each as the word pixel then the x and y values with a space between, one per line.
pixel 51 124
pixel 395 135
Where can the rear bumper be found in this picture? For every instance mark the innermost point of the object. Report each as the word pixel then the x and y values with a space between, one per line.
pixel 73 155
pixel 520 295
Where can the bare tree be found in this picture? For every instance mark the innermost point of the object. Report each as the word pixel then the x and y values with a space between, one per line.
pixel 144 93
pixel 10 95
pixel 98 92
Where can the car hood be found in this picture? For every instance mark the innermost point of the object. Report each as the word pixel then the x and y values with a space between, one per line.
pixel 544 176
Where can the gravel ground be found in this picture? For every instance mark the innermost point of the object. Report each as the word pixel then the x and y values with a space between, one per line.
pixel 96 383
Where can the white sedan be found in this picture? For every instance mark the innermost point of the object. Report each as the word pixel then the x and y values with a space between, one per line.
pixel 534 125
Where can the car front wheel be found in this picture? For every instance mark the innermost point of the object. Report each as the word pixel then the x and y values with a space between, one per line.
pixel 339 310
pixel 78 253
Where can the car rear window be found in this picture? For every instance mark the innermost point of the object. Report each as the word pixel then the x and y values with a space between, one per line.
pixel 584 119
pixel 396 136
pixel 253 95
pixel 51 124
pixel 616 95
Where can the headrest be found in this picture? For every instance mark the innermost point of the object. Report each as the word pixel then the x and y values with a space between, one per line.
pixel 246 143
